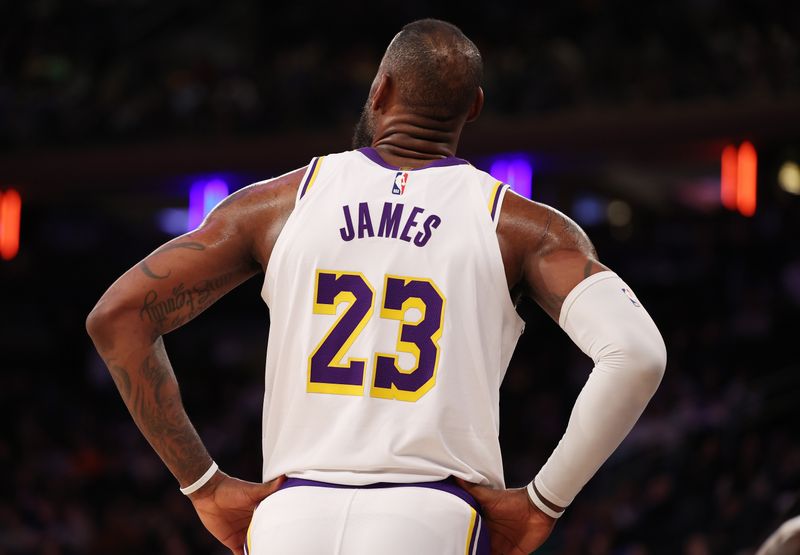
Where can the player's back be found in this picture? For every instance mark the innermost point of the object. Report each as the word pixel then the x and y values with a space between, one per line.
pixel 391 325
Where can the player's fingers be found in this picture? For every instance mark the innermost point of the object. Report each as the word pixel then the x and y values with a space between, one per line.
pixel 505 549
pixel 237 548
pixel 478 492
pixel 235 542
pixel 464 484
pixel 268 488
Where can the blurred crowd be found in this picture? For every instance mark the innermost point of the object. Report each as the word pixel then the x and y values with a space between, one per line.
pixel 712 467
pixel 94 71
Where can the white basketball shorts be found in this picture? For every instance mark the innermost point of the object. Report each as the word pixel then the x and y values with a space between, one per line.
pixel 306 517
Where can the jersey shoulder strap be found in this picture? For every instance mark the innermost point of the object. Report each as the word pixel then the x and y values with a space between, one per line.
pixel 493 193
pixel 310 176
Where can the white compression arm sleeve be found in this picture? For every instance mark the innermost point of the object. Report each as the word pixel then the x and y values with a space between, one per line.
pixel 603 317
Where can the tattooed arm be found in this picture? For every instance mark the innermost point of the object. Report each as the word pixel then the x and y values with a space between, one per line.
pixel 168 288
pixel 164 291
pixel 548 257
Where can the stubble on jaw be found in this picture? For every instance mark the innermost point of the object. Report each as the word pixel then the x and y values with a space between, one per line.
pixel 365 130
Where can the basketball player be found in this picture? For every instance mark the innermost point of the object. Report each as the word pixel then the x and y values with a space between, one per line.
pixel 391 273
pixel 783 541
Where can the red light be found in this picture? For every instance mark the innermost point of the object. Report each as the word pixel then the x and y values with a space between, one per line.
pixel 746 181
pixel 10 209
pixel 728 183
pixel 738 183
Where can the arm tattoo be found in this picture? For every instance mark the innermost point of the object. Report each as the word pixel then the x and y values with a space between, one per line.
pixel 150 273
pixel 190 245
pixel 183 303
pixel 209 290
pixel 157 310
pixel 121 378
pixel 546 230
pixel 572 233
pixel 237 196
pixel 154 401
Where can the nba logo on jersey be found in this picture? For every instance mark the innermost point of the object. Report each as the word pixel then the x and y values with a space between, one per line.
pixel 631 296
pixel 400 180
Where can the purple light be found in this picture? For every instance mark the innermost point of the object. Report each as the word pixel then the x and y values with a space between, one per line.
pixel 517 171
pixel 173 221
pixel 203 196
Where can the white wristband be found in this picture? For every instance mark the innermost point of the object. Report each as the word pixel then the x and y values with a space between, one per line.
pixel 540 504
pixel 202 480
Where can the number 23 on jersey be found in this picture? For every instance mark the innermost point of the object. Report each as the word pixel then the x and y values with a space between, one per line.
pixel 329 372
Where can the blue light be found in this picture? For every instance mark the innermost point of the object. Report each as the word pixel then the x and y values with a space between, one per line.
pixel 204 195
pixel 173 221
pixel 516 170
pixel 589 210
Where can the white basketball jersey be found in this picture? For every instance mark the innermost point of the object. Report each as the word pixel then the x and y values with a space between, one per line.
pixel 391 325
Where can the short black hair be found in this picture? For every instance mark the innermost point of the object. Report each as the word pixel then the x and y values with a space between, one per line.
pixel 436 68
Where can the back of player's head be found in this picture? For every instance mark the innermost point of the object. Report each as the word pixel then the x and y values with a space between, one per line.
pixel 436 68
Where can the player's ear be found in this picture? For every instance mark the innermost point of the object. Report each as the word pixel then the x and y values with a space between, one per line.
pixel 477 106
pixel 380 98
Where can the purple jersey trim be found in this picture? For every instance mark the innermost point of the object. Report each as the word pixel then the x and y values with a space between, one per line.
pixel 497 196
pixel 309 176
pixel 448 485
pixel 373 155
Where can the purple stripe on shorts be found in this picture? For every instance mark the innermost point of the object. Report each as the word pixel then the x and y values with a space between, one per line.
pixel 373 155
pixel 484 545
pixel 309 176
pixel 448 485
pixel 497 199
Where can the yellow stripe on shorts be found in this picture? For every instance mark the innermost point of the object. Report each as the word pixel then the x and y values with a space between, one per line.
pixel 470 530
pixel 249 541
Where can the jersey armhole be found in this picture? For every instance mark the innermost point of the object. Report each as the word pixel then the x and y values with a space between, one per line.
pixel 309 178
pixel 496 201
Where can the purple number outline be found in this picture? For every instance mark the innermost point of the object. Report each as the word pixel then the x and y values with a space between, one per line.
pixel 419 338
pixel 326 372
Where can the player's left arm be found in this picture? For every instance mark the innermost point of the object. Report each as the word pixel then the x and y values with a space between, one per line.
pixel 600 313
pixel 551 259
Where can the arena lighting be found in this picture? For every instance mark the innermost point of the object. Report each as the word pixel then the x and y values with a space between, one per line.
pixel 619 213
pixel 728 183
pixel 516 170
pixel 738 184
pixel 589 210
pixel 173 221
pixel 10 211
pixel 789 177
pixel 204 195
pixel 746 180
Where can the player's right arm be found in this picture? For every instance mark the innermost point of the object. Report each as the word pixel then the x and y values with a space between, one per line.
pixel 167 289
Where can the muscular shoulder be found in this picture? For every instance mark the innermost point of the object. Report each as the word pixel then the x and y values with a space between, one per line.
pixel 275 194
pixel 258 212
pixel 545 253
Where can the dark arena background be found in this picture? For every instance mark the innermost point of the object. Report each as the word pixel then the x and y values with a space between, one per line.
pixel 670 130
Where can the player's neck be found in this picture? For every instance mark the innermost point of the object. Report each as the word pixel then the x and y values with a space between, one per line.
pixel 413 142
